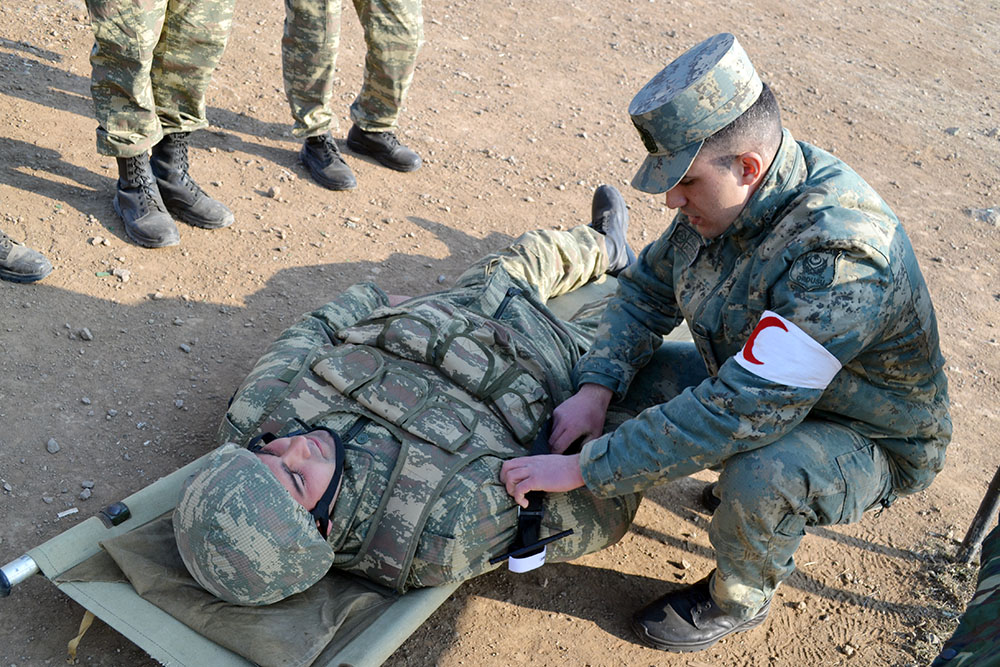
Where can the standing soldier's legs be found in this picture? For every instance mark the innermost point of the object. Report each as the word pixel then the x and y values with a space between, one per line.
pixel 308 58
pixel 819 474
pixel 125 35
pixel 189 50
pixel 394 31
pixel 191 45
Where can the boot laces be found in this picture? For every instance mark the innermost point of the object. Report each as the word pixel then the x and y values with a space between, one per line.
pixel 327 147
pixel 391 140
pixel 144 179
pixel 180 140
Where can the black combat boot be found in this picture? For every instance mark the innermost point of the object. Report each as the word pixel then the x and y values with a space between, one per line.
pixel 689 620
pixel 139 204
pixel 21 264
pixel 323 159
pixel 609 216
pixel 183 197
pixel 384 147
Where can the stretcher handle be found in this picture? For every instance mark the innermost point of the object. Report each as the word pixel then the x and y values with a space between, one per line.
pixel 15 572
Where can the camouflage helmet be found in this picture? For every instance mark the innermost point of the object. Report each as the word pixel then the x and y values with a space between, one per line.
pixel 242 536
pixel 706 88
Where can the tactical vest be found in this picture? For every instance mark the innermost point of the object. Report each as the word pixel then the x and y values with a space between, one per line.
pixel 450 385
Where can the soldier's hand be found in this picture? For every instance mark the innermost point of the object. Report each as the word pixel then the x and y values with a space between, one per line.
pixel 579 417
pixel 547 472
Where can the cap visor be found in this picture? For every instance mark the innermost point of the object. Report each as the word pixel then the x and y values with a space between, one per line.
pixel 659 173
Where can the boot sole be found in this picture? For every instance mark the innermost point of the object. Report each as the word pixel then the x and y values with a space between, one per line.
pixel 22 278
pixel 654 642
pixel 145 243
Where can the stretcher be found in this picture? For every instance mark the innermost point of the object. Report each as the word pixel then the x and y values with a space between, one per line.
pixel 347 621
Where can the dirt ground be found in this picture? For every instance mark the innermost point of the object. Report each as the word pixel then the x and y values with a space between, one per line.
pixel 519 112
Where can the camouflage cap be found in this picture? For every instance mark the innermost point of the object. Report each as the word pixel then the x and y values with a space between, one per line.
pixel 691 99
pixel 241 534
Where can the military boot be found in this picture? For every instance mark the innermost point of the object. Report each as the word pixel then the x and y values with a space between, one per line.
pixel 140 206
pixel 21 264
pixel 183 197
pixel 690 620
pixel 384 147
pixel 322 158
pixel 609 216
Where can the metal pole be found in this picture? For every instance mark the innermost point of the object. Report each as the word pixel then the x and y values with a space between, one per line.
pixel 15 572
pixel 987 510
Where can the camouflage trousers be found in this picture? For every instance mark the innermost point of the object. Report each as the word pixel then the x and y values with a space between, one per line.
pixel 394 31
pixel 820 473
pixel 152 62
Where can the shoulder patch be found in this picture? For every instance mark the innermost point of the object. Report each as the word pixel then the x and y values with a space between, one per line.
pixel 685 240
pixel 814 270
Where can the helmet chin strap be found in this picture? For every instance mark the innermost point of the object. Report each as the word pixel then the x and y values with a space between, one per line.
pixel 322 510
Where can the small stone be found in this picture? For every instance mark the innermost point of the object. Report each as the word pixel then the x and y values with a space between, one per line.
pixel 52 446
pixel 87 484
pixel 85 494
pixel 85 334
pixel 988 215
pixel 185 348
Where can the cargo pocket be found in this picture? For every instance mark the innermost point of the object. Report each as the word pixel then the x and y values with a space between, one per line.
pixel 434 565
pixel 864 485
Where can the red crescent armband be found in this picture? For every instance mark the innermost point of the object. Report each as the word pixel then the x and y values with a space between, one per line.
pixel 779 351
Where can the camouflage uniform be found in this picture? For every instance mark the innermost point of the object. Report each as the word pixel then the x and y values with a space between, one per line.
pixel 152 62
pixel 394 31
pixel 816 246
pixel 428 398
pixel 977 638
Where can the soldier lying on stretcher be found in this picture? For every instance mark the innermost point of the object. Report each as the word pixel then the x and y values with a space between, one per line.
pixel 370 435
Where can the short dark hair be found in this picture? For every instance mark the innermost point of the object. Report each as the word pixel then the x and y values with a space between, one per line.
pixel 757 129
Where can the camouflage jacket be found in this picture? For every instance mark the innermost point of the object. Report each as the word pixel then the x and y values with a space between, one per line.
pixel 816 245
pixel 447 387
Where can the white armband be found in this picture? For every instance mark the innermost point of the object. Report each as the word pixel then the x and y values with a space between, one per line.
pixel 779 351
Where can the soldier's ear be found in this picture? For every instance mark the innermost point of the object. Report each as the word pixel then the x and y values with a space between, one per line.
pixel 752 168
